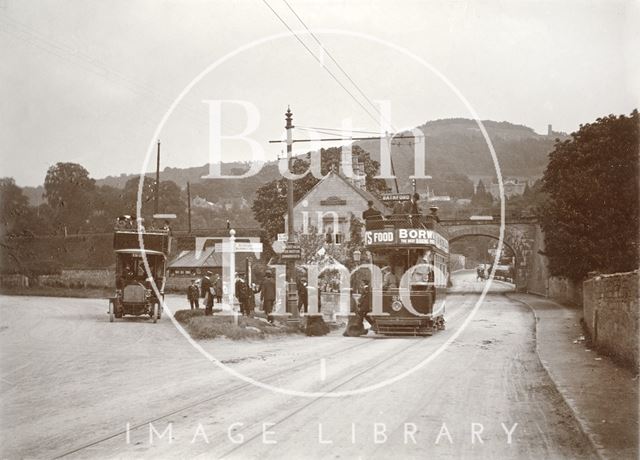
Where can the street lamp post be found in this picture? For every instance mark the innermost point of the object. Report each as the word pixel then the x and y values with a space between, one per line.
pixel 292 294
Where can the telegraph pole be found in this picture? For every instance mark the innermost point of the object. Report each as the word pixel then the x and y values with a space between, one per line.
pixel 292 297
pixel 189 205
pixel 157 187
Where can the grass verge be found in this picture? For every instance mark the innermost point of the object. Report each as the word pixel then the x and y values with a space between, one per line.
pixel 210 327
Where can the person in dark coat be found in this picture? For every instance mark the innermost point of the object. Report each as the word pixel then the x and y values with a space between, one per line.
pixel 205 284
pixel 241 294
pixel 268 295
pixel 303 295
pixel 371 212
pixel 193 294
pixel 208 302
pixel 217 285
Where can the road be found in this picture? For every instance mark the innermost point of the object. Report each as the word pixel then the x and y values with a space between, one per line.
pixel 72 383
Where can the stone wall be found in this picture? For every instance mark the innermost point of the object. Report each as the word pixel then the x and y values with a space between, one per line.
pixel 564 291
pixel 14 281
pixel 99 278
pixel 538 272
pixel 611 315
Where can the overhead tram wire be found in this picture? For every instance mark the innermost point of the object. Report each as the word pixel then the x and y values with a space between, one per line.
pixel 375 107
pixel 332 74
pixel 312 128
pixel 320 62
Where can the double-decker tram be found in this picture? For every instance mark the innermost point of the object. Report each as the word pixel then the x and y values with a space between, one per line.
pixel 412 252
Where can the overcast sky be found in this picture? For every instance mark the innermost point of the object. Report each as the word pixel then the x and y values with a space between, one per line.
pixel 89 81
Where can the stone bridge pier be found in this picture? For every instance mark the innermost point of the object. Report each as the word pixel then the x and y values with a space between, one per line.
pixel 518 236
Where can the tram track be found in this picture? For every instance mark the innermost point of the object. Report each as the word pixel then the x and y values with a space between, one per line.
pixel 194 404
pixel 458 311
pixel 316 399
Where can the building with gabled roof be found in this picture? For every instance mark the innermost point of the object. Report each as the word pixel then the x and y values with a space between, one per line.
pixel 327 208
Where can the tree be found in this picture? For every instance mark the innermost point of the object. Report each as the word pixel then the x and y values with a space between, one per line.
pixel 481 197
pixel 14 206
pixel 590 219
pixel 106 205
pixel 270 202
pixel 453 185
pixel 171 199
pixel 68 190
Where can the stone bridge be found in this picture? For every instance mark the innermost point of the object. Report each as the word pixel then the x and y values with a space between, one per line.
pixel 521 236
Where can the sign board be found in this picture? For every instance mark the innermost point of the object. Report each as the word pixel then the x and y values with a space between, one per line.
pixel 239 247
pixel 291 255
pixel 406 236
pixel 282 237
pixel 131 240
pixel 292 252
pixel 396 197
pixel 481 218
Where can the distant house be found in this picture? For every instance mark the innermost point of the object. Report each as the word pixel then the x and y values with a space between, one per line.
pixel 188 265
pixel 327 208
pixel 511 188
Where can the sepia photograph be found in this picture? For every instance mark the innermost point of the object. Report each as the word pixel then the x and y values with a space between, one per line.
pixel 319 229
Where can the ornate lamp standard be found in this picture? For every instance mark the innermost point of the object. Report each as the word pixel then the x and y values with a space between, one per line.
pixel 292 293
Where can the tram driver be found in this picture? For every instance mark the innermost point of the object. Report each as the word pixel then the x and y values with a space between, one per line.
pixel 389 280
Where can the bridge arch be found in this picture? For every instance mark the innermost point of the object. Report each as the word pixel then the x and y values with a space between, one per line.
pixel 518 237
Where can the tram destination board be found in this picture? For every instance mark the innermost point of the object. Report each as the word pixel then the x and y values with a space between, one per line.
pixel 396 197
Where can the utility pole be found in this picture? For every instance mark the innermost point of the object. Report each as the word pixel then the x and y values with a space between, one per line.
pixel 189 205
pixel 292 297
pixel 157 187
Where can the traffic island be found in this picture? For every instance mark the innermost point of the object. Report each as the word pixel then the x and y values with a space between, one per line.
pixel 231 326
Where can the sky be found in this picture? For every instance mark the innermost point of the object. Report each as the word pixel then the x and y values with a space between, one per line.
pixel 89 81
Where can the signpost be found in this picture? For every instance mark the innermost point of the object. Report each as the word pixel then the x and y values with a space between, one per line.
pixel 238 247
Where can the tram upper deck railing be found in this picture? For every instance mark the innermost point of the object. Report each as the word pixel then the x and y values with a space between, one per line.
pixel 408 221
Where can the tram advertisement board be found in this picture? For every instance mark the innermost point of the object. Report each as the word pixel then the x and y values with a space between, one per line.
pixel 131 240
pixel 406 236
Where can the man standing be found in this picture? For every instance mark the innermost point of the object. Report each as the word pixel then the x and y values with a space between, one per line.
pixel 241 294
pixel 205 284
pixel 268 295
pixel 217 285
pixel 193 294
pixel 303 295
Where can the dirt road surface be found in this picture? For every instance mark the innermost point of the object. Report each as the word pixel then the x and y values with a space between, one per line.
pixel 75 385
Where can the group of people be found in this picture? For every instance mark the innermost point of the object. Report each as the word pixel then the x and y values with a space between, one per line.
pixel 210 289
pixel 409 208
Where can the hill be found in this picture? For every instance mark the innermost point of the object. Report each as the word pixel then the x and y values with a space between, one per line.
pixel 458 146
pixel 453 146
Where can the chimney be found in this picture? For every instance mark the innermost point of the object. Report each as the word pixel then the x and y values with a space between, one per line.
pixel 549 130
